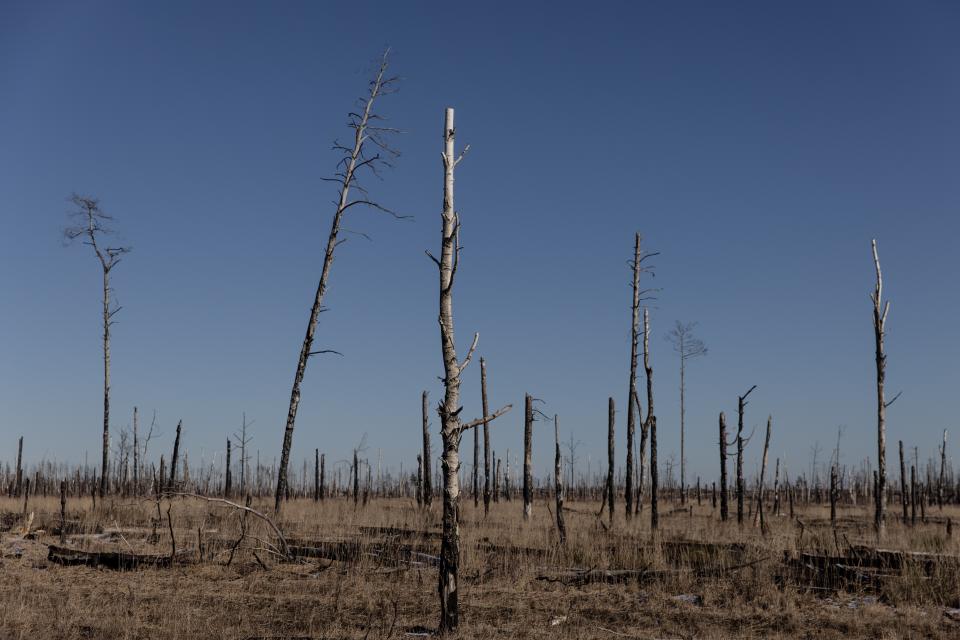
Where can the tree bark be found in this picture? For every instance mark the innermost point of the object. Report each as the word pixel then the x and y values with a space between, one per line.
pixel 104 475
pixel 763 472
pixel 943 471
pixel 136 454
pixel 352 161
pixel 228 477
pixel 18 487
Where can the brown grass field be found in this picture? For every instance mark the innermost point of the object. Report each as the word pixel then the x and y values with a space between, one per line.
pixel 515 579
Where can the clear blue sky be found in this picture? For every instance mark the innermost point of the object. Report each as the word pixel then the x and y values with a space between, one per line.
pixel 758 146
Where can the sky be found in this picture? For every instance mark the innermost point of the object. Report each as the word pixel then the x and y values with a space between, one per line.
pixel 757 146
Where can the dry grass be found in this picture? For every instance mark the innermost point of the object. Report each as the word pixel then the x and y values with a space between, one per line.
pixel 736 595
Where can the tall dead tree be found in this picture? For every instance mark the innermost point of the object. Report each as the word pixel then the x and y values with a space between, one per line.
pixel 367 133
pixel 724 512
pixel 631 392
pixel 486 438
pixel 451 429
pixel 243 440
pixel 741 404
pixel 880 310
pixel 92 224
pixel 654 477
pixel 558 481
pixel 687 346
pixel 527 457
pixel 611 456
pixel 426 481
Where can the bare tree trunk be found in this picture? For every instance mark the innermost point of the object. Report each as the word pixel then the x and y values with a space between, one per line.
pixel 104 475
pixel 172 482
pixel 527 455
pixel 654 475
pixel 18 487
pixel 904 496
pixel 880 310
pixel 228 479
pixel 943 471
pixel 354 159
pixel 323 474
pixel 763 472
pixel 451 429
pixel 356 479
pixel 316 475
pixel 476 467
pixel 741 403
pixel 645 423
pixel 683 414
pixel 136 454
pixel 631 392
pixel 558 482
pixel 486 438
pixel 913 495
pixel 427 478
pixel 724 512
pixel 611 459
pixel 833 495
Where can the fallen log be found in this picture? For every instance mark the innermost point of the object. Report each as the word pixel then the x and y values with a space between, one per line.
pixel 117 560
pixel 578 577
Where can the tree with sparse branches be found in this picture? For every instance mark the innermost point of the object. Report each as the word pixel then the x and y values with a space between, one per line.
pixel 451 428
pixel 687 346
pixel 370 151
pixel 91 224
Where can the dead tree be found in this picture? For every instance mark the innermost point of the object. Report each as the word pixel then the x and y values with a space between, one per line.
pixel 763 472
pixel 724 513
pixel 631 392
pixel 486 438
pixel 228 475
pixel 449 410
pixel 92 224
pixel 943 471
pixel 243 440
pixel 611 457
pixel 426 481
pixel 741 403
pixel 172 482
pixel 528 457
pixel 316 475
pixel 654 476
pixel 904 497
pixel 136 454
pixel 558 482
pixel 687 346
pixel 367 133
pixel 18 486
pixel 880 310
pixel 833 495
pixel 644 423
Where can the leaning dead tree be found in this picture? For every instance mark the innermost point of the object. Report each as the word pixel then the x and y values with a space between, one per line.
pixel 687 346
pixel 91 224
pixel 451 429
pixel 880 310
pixel 370 151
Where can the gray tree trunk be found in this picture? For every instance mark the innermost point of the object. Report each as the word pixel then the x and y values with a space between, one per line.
pixel 486 438
pixel 172 482
pixel 558 482
pixel 611 457
pixel 880 310
pixel 724 513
